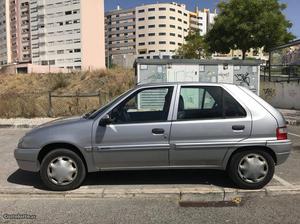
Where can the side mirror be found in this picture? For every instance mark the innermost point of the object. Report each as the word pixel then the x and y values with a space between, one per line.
pixel 106 120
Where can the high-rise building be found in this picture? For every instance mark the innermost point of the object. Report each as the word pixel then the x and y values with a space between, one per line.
pixel 5 41
pixel 68 33
pixel 202 20
pixel 151 31
pixel 20 31
pixel 160 29
pixel 120 36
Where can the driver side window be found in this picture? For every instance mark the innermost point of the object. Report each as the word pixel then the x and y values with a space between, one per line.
pixel 147 105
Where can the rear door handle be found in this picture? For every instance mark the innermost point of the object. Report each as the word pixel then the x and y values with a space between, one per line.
pixel 238 127
pixel 158 131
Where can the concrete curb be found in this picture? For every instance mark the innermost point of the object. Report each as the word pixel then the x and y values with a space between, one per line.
pixel 206 194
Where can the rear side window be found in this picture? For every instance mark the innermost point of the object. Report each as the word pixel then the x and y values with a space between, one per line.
pixel 232 108
pixel 211 102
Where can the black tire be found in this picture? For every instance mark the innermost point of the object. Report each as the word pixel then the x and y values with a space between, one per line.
pixel 80 167
pixel 233 169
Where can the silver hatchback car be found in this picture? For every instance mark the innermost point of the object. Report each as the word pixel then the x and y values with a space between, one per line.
pixel 163 126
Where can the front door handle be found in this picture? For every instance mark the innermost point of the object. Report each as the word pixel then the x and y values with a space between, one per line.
pixel 238 127
pixel 158 131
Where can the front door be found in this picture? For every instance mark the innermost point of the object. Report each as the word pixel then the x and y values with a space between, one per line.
pixel 208 122
pixel 138 135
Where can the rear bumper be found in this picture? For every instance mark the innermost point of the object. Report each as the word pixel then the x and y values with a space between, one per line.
pixel 282 150
pixel 27 159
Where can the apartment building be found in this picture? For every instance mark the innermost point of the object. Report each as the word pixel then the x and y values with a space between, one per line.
pixel 202 20
pixel 160 29
pixel 5 43
pixel 120 36
pixel 20 31
pixel 151 31
pixel 68 33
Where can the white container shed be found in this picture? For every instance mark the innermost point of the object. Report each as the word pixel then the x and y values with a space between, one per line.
pixel 240 72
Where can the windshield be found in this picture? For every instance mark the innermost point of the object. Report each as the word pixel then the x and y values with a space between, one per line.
pixel 102 109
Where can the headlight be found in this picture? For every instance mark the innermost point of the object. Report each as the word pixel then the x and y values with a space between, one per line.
pixel 21 142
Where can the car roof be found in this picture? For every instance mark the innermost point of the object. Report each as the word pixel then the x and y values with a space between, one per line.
pixel 157 84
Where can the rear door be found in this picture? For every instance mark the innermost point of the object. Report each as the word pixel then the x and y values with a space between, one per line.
pixel 207 121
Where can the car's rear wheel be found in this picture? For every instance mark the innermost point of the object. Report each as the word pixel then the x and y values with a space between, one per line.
pixel 62 170
pixel 251 169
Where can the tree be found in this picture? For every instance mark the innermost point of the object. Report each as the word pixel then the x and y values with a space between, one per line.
pixel 249 24
pixel 194 47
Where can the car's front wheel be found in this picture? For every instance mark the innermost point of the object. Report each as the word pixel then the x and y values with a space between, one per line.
pixel 62 170
pixel 251 169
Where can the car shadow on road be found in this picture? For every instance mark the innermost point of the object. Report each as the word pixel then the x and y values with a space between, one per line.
pixel 153 177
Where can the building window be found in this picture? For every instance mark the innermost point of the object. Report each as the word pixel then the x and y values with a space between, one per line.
pixel 151 17
pixel 172 10
pixel 162 9
pixel 180 20
pixel 180 28
pixel 172 43
pixel 162 17
pixel 151 34
pixel 151 43
pixel 77 50
pixel 141 27
pixel 172 34
pixel 151 26
pixel 151 9
pixel 162 42
pixel 172 18
pixel 141 19
pixel 141 11
pixel 141 35
pixel 172 26
pixel 162 25
pixel 162 34
pixel 180 12
pixel 142 44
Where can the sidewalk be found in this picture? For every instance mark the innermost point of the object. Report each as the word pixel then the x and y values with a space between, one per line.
pixel 291 116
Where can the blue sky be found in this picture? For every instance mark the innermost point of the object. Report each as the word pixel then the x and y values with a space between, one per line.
pixel 292 12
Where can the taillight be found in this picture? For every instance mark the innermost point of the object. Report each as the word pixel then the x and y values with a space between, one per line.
pixel 281 133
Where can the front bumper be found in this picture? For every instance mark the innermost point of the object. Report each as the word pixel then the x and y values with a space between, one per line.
pixel 282 149
pixel 27 159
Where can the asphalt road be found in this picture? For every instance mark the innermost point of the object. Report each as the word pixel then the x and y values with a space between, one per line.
pixel 267 210
pixel 12 177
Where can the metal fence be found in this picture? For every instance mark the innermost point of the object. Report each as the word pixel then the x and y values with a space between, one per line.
pixel 281 73
pixel 51 104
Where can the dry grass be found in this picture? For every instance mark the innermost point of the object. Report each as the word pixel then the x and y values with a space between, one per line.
pixel 26 95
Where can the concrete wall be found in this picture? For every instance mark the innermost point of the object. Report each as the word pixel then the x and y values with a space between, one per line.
pixel 281 94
